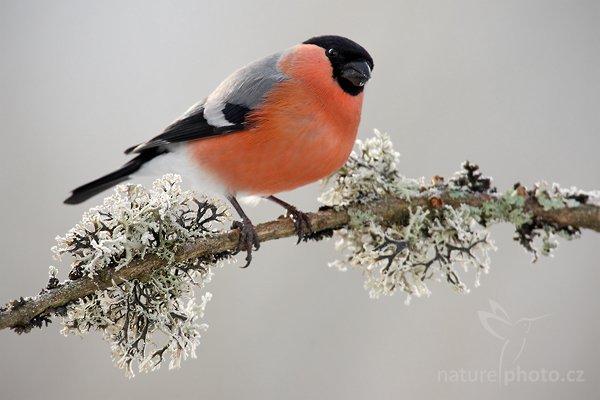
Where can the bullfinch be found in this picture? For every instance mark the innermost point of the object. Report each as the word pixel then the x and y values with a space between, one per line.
pixel 276 124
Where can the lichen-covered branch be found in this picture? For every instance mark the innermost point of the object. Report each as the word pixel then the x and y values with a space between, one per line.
pixel 394 210
pixel 137 259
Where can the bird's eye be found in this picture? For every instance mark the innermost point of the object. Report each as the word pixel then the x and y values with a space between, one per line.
pixel 332 52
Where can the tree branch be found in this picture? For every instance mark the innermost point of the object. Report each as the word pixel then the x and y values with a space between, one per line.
pixel 22 314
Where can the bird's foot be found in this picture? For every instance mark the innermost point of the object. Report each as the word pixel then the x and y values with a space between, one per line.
pixel 302 223
pixel 301 220
pixel 248 239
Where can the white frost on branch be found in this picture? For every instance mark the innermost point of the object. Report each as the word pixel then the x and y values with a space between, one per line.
pixel 434 244
pixel 144 321
pixel 370 173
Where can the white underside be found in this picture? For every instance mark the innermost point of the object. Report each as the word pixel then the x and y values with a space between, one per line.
pixel 177 161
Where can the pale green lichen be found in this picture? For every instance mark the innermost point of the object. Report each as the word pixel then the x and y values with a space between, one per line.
pixel 537 236
pixel 359 218
pixel 370 173
pixel 144 321
pixel 552 197
pixel 440 242
pixel 435 244
pixel 134 221
pixel 509 208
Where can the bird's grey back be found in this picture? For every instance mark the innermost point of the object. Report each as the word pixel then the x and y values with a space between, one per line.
pixel 245 87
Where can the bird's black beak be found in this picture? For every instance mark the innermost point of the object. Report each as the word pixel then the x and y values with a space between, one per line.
pixel 357 72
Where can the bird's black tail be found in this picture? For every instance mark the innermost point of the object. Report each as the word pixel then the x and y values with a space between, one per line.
pixel 82 193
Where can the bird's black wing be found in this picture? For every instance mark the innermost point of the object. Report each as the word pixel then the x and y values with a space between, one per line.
pixel 193 125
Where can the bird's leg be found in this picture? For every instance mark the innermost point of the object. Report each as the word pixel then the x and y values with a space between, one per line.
pixel 248 236
pixel 301 220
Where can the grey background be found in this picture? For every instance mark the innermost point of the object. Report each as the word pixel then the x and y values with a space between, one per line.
pixel 512 85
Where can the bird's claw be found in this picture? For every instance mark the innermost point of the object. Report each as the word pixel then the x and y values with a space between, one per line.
pixel 248 239
pixel 302 223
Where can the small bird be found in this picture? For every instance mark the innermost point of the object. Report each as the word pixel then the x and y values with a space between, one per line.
pixel 276 124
